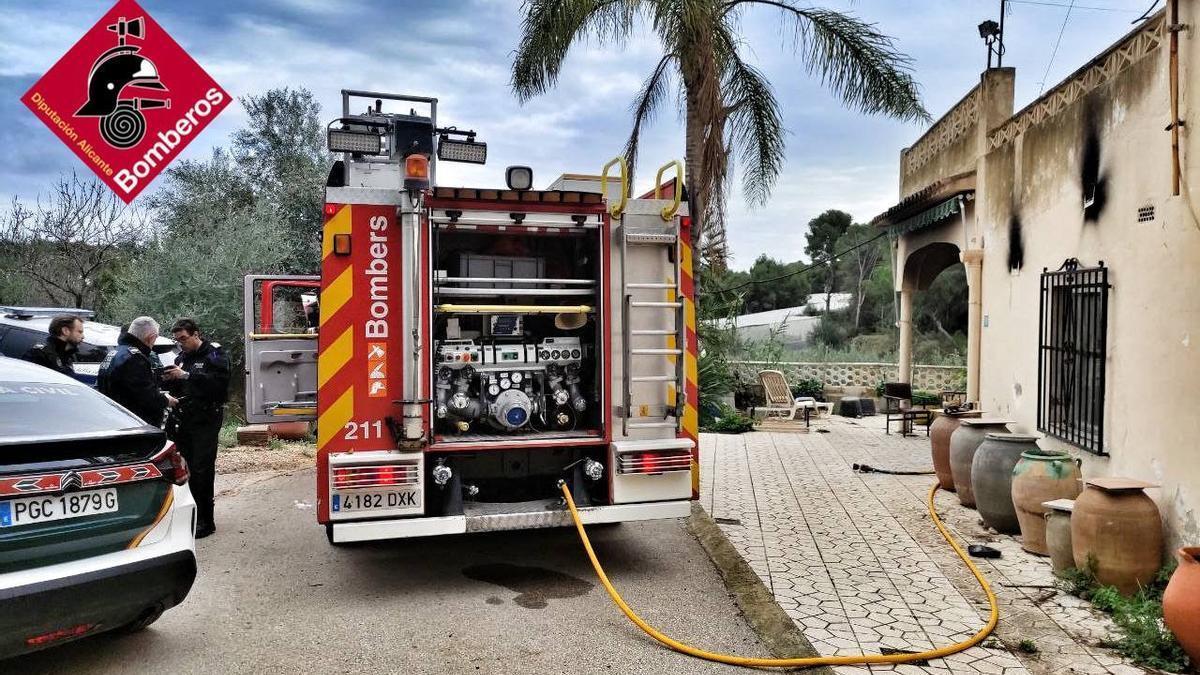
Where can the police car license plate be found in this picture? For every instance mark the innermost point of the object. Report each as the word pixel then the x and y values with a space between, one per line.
pixel 369 501
pixel 28 510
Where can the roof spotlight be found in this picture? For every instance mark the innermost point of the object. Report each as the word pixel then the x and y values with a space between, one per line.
pixel 464 149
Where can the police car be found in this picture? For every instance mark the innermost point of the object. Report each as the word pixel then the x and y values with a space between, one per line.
pixel 96 520
pixel 23 327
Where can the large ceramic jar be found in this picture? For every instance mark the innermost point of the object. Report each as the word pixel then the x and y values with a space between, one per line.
pixel 992 478
pixel 1058 533
pixel 1181 602
pixel 1041 476
pixel 963 442
pixel 939 440
pixel 1116 525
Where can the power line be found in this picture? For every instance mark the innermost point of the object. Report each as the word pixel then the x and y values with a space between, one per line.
pixel 814 265
pixel 1074 6
pixel 1042 84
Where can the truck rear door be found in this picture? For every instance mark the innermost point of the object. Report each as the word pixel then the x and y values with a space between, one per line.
pixel 280 322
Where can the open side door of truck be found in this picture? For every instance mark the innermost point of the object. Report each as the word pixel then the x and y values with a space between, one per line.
pixel 280 323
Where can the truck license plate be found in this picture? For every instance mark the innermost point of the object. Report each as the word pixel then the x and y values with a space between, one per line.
pixel 27 510
pixel 366 501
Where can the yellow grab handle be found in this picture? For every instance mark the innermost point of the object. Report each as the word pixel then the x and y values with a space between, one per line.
pixel 669 212
pixel 616 210
pixel 514 309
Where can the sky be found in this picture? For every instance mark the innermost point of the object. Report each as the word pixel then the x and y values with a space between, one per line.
pixel 460 52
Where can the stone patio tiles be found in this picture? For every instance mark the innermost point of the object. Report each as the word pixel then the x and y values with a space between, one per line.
pixel 855 561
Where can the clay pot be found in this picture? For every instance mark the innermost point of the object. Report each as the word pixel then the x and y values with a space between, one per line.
pixel 963 442
pixel 1118 525
pixel 1181 602
pixel 1041 476
pixel 939 440
pixel 992 478
pixel 289 431
pixel 1058 533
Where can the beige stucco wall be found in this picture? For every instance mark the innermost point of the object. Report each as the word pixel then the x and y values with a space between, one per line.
pixel 1152 398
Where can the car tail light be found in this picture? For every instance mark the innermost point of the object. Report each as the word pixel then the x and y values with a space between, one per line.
pixel 654 462
pixel 60 634
pixel 172 464
pixel 374 476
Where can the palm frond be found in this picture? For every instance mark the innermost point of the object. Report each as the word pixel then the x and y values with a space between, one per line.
pixel 852 58
pixel 644 107
pixel 756 127
pixel 549 29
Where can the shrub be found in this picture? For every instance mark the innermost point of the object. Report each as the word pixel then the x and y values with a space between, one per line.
pixel 730 421
pixel 809 387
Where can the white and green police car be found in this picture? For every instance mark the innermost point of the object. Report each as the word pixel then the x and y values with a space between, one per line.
pixel 96 520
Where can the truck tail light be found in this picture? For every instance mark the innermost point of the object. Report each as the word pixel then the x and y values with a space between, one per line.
pixel 654 462
pixel 172 464
pixel 374 476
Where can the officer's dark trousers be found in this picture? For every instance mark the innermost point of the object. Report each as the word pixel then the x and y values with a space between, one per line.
pixel 198 445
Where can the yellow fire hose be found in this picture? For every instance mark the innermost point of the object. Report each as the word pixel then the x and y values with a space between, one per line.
pixel 806 661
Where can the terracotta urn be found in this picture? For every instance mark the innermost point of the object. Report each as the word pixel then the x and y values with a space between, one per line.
pixel 1118 526
pixel 939 440
pixel 1058 533
pixel 992 478
pixel 963 442
pixel 1041 476
pixel 1181 602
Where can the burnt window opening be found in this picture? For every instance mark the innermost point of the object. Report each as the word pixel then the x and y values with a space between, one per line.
pixel 1072 344
pixel 1145 214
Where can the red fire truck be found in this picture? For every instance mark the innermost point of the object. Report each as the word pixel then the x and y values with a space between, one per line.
pixel 465 349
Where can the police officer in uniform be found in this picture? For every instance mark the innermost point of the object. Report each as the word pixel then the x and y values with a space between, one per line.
pixel 127 375
pixel 59 349
pixel 200 378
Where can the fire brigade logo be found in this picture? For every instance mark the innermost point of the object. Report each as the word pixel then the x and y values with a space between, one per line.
pixel 126 99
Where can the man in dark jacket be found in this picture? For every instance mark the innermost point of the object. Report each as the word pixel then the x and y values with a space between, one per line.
pixel 127 374
pixel 59 349
pixel 200 378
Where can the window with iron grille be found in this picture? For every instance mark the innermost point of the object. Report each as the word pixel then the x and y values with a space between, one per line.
pixel 1072 344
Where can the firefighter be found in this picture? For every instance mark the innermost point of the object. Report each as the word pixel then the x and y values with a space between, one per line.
pixel 59 349
pixel 200 378
pixel 127 374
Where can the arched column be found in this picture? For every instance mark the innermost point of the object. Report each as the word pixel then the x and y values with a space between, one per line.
pixel 904 356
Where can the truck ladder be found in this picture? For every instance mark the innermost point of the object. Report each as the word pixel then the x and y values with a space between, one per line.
pixel 665 237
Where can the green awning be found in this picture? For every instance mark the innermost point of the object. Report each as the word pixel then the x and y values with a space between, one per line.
pixel 929 216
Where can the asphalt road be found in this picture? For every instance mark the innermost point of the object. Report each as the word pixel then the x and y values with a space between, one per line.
pixel 273 596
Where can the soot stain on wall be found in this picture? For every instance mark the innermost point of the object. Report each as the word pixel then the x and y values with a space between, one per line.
pixel 1093 182
pixel 1016 245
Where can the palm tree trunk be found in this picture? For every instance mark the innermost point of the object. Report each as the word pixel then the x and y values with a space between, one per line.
pixel 693 147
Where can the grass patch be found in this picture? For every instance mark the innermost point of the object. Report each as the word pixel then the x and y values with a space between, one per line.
pixel 1144 638
pixel 227 438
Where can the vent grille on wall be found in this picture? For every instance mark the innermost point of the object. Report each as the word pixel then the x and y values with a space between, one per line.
pixel 1145 214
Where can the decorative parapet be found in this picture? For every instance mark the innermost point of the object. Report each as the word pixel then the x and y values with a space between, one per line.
pixel 943 133
pixel 928 378
pixel 1136 46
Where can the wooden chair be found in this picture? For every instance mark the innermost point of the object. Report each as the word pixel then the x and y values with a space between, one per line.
pixel 898 406
pixel 778 395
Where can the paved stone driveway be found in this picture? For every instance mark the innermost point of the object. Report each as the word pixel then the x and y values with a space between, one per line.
pixel 855 561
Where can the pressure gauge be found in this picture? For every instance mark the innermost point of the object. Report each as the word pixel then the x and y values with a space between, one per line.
pixel 505 384
pixel 517 377
pixel 493 389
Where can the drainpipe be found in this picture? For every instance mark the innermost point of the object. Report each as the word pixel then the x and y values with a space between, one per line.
pixel 973 260
pixel 1173 28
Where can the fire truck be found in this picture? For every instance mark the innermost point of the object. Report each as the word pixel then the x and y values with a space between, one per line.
pixel 465 351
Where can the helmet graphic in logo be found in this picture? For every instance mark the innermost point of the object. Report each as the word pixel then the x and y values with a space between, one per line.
pixel 121 122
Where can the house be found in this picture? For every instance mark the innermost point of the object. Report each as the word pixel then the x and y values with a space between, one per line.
pixel 789 326
pixel 1076 220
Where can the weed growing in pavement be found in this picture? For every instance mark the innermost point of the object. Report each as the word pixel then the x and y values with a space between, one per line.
pixel 1144 638
pixel 1027 646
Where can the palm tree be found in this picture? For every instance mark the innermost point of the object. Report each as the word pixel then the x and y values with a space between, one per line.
pixel 728 104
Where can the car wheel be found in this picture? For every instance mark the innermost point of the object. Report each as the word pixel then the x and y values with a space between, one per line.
pixel 143 621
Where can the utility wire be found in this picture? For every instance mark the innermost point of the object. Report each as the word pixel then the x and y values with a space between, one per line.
pixel 1146 14
pixel 1073 5
pixel 812 266
pixel 1056 44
